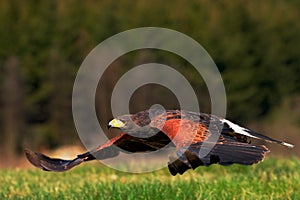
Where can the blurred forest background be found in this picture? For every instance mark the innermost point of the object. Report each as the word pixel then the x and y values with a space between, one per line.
pixel 255 44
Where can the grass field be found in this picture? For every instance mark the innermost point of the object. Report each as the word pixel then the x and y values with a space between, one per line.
pixel 271 179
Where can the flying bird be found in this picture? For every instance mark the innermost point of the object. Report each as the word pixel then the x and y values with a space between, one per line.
pixel 191 133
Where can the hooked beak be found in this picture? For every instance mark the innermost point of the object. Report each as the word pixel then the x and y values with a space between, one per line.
pixel 115 123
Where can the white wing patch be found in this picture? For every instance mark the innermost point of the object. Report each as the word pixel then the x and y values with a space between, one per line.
pixel 243 131
pixel 288 145
pixel 238 129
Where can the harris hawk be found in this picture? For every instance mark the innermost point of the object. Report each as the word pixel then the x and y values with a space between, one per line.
pixel 190 133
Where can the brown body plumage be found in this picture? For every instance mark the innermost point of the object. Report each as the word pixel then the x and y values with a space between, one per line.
pixel 152 130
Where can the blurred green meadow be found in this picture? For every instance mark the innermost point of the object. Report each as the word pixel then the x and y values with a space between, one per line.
pixel 271 179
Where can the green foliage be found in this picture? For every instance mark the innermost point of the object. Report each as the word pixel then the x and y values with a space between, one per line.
pixel 255 44
pixel 272 179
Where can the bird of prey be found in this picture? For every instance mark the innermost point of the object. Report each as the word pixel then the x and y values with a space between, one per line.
pixel 189 132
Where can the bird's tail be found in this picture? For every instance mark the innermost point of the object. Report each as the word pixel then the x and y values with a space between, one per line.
pixel 229 126
pixel 54 164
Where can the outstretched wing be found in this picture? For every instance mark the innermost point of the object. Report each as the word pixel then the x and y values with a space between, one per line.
pixel 192 137
pixel 46 163
pixel 39 160
pixel 123 142
pixel 224 152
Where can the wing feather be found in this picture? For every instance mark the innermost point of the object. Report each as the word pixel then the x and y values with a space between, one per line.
pixel 121 143
pixel 224 153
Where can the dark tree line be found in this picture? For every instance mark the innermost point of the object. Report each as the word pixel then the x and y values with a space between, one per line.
pixel 255 45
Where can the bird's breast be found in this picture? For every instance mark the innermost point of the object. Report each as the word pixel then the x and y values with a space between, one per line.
pixel 181 132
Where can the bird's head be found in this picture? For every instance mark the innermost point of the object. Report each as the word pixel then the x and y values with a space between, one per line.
pixel 139 124
pixel 117 123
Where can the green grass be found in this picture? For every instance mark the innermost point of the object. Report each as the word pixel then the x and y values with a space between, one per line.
pixel 271 179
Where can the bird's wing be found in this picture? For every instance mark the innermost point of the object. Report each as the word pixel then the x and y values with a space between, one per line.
pixel 123 142
pixel 39 160
pixel 224 152
pixel 195 147
pixel 46 163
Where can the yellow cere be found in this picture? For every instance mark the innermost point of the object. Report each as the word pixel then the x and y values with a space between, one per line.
pixel 116 123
